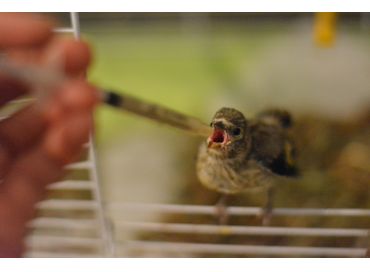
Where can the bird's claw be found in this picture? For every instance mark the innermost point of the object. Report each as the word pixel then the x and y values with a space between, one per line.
pixel 266 217
pixel 266 214
pixel 221 212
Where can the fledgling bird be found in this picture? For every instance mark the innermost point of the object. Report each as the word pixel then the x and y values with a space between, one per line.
pixel 242 155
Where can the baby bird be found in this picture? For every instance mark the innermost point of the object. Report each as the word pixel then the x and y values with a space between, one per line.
pixel 243 155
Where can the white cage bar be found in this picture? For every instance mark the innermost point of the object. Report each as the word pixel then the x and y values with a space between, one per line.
pixel 163 248
pixel 242 230
pixel 199 248
pixel 237 211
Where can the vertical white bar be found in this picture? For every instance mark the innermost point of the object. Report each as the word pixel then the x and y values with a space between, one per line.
pixel 96 190
pixel 75 22
pixel 106 227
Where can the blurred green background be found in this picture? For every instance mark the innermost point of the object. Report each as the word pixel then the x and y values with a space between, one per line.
pixel 191 61
pixel 180 61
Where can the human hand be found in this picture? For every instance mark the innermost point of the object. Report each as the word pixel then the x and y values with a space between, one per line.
pixel 36 142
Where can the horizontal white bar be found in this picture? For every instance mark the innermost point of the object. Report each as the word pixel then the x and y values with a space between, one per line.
pixel 63 30
pixel 72 185
pixel 240 211
pixel 68 204
pixel 243 230
pixel 47 254
pixel 244 249
pixel 47 241
pixel 48 222
pixel 79 165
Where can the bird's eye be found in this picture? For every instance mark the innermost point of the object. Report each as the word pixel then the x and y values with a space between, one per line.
pixel 211 124
pixel 236 131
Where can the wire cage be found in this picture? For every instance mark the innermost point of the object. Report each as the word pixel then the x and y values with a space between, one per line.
pixel 74 222
pixel 78 220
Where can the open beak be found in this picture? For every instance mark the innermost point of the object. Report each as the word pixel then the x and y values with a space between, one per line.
pixel 219 138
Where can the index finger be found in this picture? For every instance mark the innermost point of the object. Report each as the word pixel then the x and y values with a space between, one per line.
pixel 23 29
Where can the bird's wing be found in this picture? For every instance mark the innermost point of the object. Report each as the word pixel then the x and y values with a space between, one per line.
pixel 277 117
pixel 272 148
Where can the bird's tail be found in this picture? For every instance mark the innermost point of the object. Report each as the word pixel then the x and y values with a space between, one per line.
pixel 276 117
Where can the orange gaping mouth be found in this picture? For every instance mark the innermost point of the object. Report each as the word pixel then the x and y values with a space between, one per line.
pixel 219 137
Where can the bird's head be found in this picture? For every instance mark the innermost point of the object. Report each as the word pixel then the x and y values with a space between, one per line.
pixel 230 130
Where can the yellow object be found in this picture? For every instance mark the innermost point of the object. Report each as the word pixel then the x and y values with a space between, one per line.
pixel 324 28
pixel 225 230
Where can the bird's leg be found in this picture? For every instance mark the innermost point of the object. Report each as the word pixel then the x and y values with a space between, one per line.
pixel 267 209
pixel 221 210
